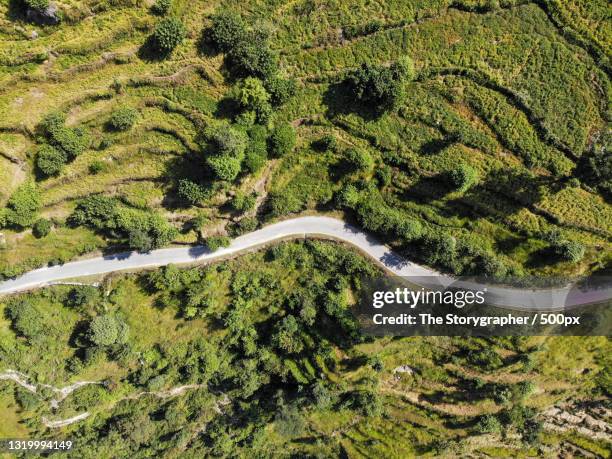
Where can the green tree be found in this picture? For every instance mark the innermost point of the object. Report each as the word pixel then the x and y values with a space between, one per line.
pixel 97 211
pixel 358 159
pixel 50 160
pixel 23 205
pixel 168 34
pixel 463 177
pixel 280 90
pixel 282 140
pixel 225 167
pixel 569 250
pixel 214 243
pixel 487 424
pixel 161 7
pixel 39 5
pixel 252 56
pixel 123 118
pixel 41 228
pixel 191 192
pixel 380 86
pixel 251 95
pixel 227 30
pixel 287 336
pixel 107 330
pixel 242 202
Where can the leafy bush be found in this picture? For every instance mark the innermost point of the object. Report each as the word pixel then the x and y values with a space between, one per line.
pixel 168 34
pixel 96 166
pixel 463 177
pixel 227 146
pixel 23 206
pixel 280 89
pixel 26 319
pixel 358 159
pixel 227 30
pixel 381 86
pixel 161 7
pixel 50 160
pixel 96 211
pixel 41 228
pixel 123 118
pixel 214 243
pixel 253 57
pixel 39 5
pixel 282 140
pixel 488 424
pixel 242 202
pixel 72 141
pixel 251 95
pixel 191 192
pixel 569 250
pixel 225 167
pixel 107 330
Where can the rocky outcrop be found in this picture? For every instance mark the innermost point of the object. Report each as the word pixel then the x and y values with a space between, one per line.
pixel 47 16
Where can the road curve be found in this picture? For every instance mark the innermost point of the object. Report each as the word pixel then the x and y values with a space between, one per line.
pixel 303 227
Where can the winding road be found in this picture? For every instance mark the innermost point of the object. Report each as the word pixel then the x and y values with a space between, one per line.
pixel 304 227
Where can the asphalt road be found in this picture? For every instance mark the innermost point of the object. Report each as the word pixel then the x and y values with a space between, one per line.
pixel 303 227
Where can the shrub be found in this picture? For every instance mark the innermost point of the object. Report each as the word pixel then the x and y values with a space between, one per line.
pixel 140 241
pixel 463 177
pixel 251 95
pixel 82 295
pixel 97 211
pixel 358 159
pixel 95 167
pixel 368 402
pixel 41 228
pixel 381 86
pixel 488 424
pixel 214 243
pixel 254 161
pixel 569 250
pixel 161 7
pixel 123 118
pixel 280 90
pixel 282 140
pixel 50 160
pixel 107 330
pixel 252 56
pixel 226 140
pixel 227 30
pixel 191 192
pixel 51 123
pixel 72 141
pixel 243 202
pixel 245 225
pixel 224 167
pixel 23 206
pixel 39 5
pixel 168 34
pixel 327 143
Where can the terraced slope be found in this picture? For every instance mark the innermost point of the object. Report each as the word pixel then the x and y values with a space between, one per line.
pixel 516 90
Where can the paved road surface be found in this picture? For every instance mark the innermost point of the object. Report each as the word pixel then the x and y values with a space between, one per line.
pixel 303 227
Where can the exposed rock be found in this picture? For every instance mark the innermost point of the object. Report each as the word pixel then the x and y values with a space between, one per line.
pixel 33 35
pixel 403 369
pixel 48 16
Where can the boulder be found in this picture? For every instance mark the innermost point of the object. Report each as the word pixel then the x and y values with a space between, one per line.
pixel 48 16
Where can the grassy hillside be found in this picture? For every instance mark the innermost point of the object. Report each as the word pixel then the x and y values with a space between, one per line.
pixel 517 92
pixel 261 356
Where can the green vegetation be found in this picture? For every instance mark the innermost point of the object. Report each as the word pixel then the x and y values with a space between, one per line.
pixel 168 34
pixel 123 118
pixel 161 7
pixel 265 352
